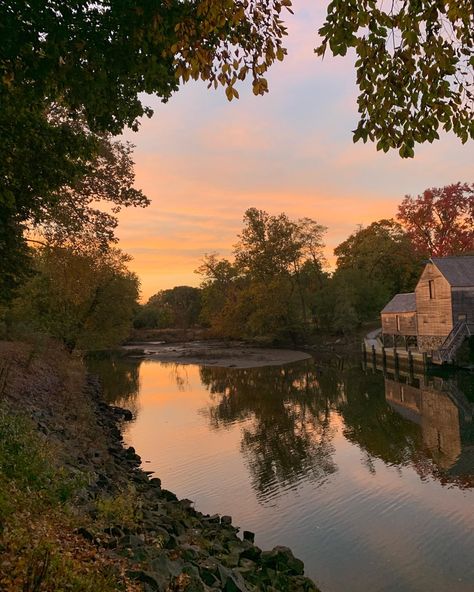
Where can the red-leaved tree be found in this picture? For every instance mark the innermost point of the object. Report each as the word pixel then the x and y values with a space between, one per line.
pixel 440 221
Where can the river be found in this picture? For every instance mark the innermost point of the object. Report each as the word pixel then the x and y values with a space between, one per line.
pixel 367 478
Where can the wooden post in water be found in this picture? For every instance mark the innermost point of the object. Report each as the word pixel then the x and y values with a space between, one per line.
pixel 384 359
pixel 364 356
pixel 397 365
pixel 410 366
pixel 425 362
pixel 374 358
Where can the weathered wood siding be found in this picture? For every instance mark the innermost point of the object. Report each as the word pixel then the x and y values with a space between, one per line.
pixel 463 304
pixel 407 323
pixel 434 315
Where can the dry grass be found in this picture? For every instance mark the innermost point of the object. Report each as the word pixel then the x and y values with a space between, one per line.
pixel 46 419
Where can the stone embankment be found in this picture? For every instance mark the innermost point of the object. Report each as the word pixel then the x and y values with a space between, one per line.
pixel 172 546
pixel 77 512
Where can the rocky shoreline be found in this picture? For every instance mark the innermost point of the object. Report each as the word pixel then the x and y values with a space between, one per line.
pixel 173 546
pixel 77 511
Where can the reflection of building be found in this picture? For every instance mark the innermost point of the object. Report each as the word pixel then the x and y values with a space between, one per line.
pixel 443 413
pixel 440 313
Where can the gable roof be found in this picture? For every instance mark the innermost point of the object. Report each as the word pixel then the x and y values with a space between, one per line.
pixel 401 303
pixel 459 271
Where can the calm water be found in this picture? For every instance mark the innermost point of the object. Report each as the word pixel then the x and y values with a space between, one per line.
pixel 369 480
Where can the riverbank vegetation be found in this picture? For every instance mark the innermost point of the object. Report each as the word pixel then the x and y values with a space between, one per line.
pixel 49 437
pixel 277 288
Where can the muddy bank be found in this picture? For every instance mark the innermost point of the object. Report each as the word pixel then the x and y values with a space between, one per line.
pixel 121 513
pixel 217 353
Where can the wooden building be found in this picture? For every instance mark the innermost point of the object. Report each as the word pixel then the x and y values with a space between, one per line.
pixel 399 316
pixel 440 313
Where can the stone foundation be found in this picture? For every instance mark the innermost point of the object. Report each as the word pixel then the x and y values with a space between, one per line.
pixel 429 343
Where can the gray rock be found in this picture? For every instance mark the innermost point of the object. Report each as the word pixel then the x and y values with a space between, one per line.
pixel 248 536
pixel 190 552
pixel 251 552
pixel 131 541
pixel 153 580
pixel 214 519
pixel 282 559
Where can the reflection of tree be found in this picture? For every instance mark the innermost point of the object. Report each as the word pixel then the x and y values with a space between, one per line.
pixel 287 435
pixel 288 423
pixel 372 424
pixel 119 377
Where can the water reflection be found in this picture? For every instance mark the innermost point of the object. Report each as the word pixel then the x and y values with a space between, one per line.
pixel 119 377
pixel 286 438
pixel 366 477
pixel 288 417
pixel 445 418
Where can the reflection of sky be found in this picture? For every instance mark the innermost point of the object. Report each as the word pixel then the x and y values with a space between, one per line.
pixel 378 529
pixel 203 161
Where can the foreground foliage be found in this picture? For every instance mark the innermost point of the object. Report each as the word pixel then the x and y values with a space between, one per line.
pixel 37 547
pixel 116 529
pixel 415 67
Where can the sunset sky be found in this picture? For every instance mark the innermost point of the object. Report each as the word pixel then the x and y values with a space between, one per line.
pixel 203 161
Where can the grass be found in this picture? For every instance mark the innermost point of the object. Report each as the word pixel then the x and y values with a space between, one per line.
pixel 39 551
pixel 123 509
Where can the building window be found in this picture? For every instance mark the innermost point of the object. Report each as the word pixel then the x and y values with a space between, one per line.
pixel 431 289
pixel 398 323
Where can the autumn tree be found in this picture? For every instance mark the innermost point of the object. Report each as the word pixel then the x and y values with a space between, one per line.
pixel 381 251
pixel 373 264
pixel 218 279
pixel 94 62
pixel 414 59
pixel 84 300
pixel 83 214
pixel 178 307
pixel 266 291
pixel 440 221
pixel 80 212
pixel 277 249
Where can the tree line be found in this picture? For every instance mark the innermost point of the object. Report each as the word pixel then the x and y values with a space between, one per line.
pixel 276 287
pixel 73 76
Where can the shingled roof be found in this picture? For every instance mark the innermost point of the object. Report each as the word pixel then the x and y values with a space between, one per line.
pixel 459 271
pixel 401 303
